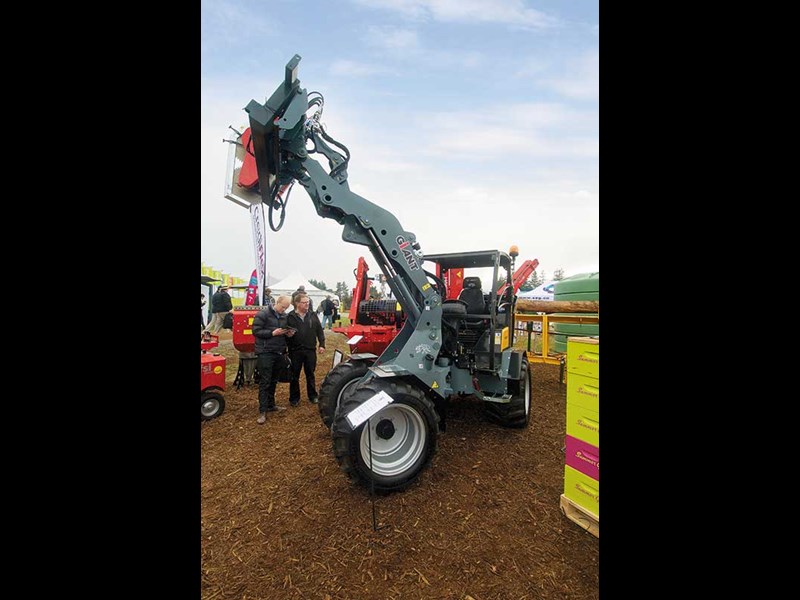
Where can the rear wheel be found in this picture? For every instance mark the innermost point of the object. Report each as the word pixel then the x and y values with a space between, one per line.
pixel 340 381
pixel 517 412
pixel 402 436
pixel 212 404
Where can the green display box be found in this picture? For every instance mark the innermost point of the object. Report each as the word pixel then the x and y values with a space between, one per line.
pixel 583 356
pixel 583 423
pixel 582 490
pixel 583 391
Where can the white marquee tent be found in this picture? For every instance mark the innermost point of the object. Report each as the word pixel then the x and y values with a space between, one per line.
pixel 287 285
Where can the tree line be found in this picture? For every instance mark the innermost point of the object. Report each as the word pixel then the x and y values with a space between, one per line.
pixel 379 289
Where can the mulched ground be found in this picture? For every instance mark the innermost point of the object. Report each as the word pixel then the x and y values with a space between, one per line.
pixel 280 520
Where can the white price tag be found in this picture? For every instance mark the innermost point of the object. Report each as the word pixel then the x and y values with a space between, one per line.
pixel 355 339
pixel 363 412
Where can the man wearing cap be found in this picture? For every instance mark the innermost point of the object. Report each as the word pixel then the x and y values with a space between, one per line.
pixel 220 305
pixel 268 299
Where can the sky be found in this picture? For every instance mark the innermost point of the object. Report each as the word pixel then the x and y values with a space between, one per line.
pixel 475 122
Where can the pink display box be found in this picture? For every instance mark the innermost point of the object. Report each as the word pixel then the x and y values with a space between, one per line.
pixel 583 457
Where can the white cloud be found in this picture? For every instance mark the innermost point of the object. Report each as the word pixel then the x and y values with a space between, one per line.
pixel 391 38
pixel 542 130
pixel 507 12
pixel 405 44
pixel 230 24
pixel 581 80
pixel 349 68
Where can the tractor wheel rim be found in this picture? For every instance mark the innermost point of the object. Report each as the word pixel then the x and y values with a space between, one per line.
pixel 527 394
pixel 209 407
pixel 401 451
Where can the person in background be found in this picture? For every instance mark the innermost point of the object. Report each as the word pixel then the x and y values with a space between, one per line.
pixel 328 308
pixel 303 348
pixel 268 299
pixel 220 305
pixel 202 304
pixel 269 329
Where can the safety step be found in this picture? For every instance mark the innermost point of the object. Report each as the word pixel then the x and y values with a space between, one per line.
pixel 577 514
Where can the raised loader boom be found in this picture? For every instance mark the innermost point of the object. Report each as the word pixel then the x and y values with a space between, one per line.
pixel 280 134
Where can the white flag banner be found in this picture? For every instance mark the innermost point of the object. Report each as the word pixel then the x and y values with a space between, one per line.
pixel 259 248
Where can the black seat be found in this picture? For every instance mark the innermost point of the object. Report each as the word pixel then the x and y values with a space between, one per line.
pixel 473 296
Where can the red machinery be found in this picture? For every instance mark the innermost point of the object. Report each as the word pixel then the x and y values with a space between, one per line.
pixel 376 321
pixel 379 321
pixel 243 338
pixel 245 342
pixel 212 378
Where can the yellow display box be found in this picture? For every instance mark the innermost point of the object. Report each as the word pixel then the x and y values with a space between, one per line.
pixel 583 423
pixel 583 391
pixel 582 490
pixel 583 356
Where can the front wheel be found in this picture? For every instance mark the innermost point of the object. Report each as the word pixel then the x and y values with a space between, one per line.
pixel 339 382
pixel 212 404
pixel 402 436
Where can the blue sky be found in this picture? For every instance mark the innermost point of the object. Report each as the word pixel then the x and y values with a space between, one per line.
pixel 474 121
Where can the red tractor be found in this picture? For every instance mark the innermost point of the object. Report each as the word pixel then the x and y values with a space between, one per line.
pixel 212 378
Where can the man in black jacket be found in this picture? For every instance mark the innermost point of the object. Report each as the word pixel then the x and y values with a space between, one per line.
pixel 220 305
pixel 269 329
pixel 328 309
pixel 303 348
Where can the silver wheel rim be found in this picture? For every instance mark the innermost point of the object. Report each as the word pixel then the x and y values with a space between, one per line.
pixel 209 407
pixel 401 451
pixel 527 394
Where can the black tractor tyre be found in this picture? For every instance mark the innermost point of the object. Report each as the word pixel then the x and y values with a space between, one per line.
pixel 404 437
pixel 517 412
pixel 339 381
pixel 212 405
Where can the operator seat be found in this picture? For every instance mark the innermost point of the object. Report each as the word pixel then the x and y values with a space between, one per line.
pixel 473 328
pixel 473 296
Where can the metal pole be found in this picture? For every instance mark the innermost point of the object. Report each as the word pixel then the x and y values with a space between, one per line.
pixel 372 480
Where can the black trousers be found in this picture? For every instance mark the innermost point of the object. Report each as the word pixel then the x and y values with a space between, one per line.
pixel 306 360
pixel 267 382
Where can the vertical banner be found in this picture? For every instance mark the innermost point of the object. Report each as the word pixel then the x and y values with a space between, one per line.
pixel 259 248
pixel 252 298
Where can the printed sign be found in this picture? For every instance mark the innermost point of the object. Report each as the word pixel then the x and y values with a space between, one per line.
pixel 363 412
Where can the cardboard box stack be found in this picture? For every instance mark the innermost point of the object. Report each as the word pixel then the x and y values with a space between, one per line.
pixel 581 499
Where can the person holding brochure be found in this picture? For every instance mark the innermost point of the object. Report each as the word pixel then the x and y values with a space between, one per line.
pixel 271 333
